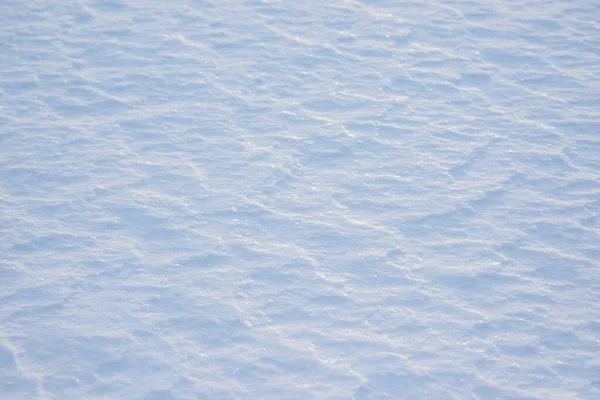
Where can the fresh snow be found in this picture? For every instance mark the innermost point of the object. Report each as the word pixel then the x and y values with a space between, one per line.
pixel 373 199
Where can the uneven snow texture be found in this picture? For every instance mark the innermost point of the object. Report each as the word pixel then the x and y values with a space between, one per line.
pixel 300 199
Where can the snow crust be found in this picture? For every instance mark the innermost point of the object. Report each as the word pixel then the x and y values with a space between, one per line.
pixel 300 199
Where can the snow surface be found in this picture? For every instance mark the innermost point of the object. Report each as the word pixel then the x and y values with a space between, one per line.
pixel 300 199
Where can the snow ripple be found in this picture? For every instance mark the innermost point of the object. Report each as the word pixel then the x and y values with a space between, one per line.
pixel 269 199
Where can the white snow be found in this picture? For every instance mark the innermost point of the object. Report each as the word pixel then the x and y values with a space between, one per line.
pixel 371 199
